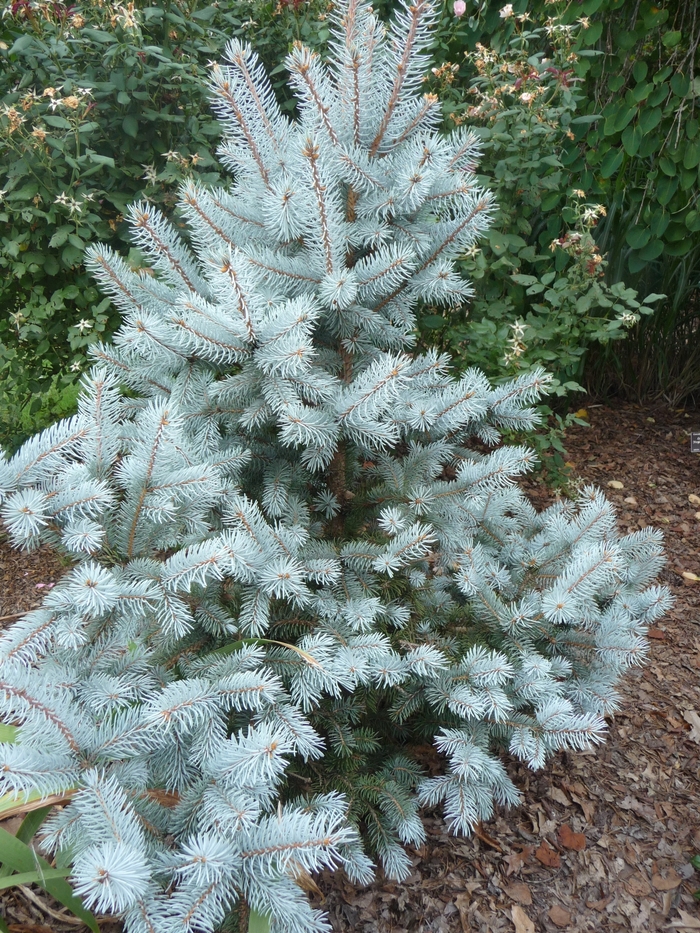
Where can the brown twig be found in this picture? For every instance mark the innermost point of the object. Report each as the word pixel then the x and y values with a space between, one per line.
pixel 13 615
pixel 480 834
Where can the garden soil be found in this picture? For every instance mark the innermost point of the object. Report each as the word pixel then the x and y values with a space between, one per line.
pixel 602 840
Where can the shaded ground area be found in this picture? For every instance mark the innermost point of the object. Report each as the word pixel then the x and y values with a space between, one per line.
pixel 602 840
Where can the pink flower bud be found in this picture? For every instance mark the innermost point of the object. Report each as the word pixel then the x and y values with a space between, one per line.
pixel 460 7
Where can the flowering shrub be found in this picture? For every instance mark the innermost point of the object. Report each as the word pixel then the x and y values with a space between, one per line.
pixel 621 123
pixel 541 294
pixel 99 105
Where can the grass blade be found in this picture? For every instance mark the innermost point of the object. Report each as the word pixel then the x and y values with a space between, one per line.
pixel 258 923
pixel 33 877
pixel 26 832
pixel 20 857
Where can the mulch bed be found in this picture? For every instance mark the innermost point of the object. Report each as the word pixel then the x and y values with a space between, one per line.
pixel 602 839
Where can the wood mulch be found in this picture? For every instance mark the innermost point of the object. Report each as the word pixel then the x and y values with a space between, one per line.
pixel 602 839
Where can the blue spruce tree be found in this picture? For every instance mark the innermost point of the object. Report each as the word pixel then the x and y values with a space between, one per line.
pixel 289 557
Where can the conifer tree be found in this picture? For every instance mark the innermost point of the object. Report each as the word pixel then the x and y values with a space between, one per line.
pixel 296 543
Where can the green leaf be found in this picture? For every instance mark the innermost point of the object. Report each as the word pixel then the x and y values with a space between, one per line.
pixel 671 39
pixel 100 159
pixel 99 35
pixel 524 279
pixel 678 249
pixel 498 242
pixel 624 117
pixel 24 859
pixel 588 118
pixel 24 42
pixel 691 157
pixel 611 162
pixel 667 166
pixel 680 84
pixel 639 72
pixel 652 250
pixel 659 223
pixel 59 237
pixel 692 221
pixel 648 119
pixel 550 201
pixel 631 140
pixel 60 122
pixel 642 91
pixel 634 263
pixel 130 125
pixel 123 98
pixel 637 237
pixel 665 190
pixel 258 923
pixel 433 321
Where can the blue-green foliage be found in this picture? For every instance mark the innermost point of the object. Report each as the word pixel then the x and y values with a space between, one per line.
pixel 279 518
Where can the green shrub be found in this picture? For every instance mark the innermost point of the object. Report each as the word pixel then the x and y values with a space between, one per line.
pixel 613 115
pixel 99 105
pixel 541 291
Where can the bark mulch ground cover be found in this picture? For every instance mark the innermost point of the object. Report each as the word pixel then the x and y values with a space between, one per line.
pixel 602 840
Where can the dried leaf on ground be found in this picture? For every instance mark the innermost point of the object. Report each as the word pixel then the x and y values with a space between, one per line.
pixel 686 922
pixel 522 922
pixel 559 916
pixel 692 717
pixel 669 883
pixel 519 892
pixel 571 840
pixel 547 856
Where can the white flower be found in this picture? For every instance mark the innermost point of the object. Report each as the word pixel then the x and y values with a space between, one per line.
pixel 527 97
pixel 150 175
pixel 3 192
pixel 518 328
pixel 83 325
pixel 507 11
pixel 75 367
pixel 62 198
